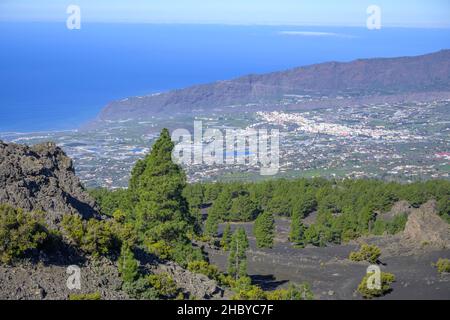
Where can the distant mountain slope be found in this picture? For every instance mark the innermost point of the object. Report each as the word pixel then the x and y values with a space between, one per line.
pixel 382 76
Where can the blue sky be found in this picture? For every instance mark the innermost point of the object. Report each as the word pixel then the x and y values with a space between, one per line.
pixel 395 13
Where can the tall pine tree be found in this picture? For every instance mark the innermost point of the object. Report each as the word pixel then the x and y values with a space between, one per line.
pixel 264 229
pixel 222 206
pixel 237 260
pixel 218 212
pixel 297 234
pixel 128 265
pixel 226 237
pixel 212 224
pixel 194 196
pixel 157 184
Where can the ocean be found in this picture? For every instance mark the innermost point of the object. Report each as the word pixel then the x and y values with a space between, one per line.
pixel 52 78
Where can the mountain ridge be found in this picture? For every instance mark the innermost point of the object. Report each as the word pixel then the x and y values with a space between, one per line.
pixel 362 77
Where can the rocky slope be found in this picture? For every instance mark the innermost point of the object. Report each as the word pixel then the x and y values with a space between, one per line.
pixel 42 178
pixel 40 281
pixel 390 77
pixel 47 280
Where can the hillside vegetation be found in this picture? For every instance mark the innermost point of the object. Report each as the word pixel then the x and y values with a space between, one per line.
pixel 344 210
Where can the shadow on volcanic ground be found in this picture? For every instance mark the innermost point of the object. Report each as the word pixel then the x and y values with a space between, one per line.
pixel 329 272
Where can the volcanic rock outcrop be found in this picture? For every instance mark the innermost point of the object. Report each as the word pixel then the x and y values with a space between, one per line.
pixel 42 178
pixel 426 228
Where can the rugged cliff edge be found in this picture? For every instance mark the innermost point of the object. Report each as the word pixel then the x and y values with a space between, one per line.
pixel 42 178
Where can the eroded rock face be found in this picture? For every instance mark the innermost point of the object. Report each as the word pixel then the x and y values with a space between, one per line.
pixel 42 177
pixel 425 228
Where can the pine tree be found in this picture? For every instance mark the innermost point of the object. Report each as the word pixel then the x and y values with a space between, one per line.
pixel 297 234
pixel 264 229
pixel 243 209
pixel 303 204
pixel 218 212
pixel 226 238
pixel 222 206
pixel 128 265
pixel 134 183
pixel 211 224
pixel 279 205
pixel 212 191
pixel 161 211
pixel 237 260
pixel 366 217
pixel 194 195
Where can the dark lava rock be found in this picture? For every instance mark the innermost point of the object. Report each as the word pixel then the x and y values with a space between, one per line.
pixel 30 281
pixel 42 178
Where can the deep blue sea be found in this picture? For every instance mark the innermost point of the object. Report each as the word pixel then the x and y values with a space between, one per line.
pixel 52 78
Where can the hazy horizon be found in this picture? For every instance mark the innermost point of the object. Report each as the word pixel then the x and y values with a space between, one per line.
pixel 401 13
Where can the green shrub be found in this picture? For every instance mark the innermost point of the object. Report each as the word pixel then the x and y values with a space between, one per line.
pixel 212 272
pixel 293 292
pixel 443 265
pixel 93 236
pixel 160 249
pixel 244 290
pixel 386 280
pixel 183 253
pixel 203 267
pixel 390 227
pixel 98 237
pixel 140 289
pixel 443 207
pixel 123 233
pixel 86 296
pixel 397 224
pixel 164 285
pixel 19 232
pixel 369 253
pixel 243 208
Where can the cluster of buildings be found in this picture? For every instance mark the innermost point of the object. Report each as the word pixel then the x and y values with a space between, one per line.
pixel 404 142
